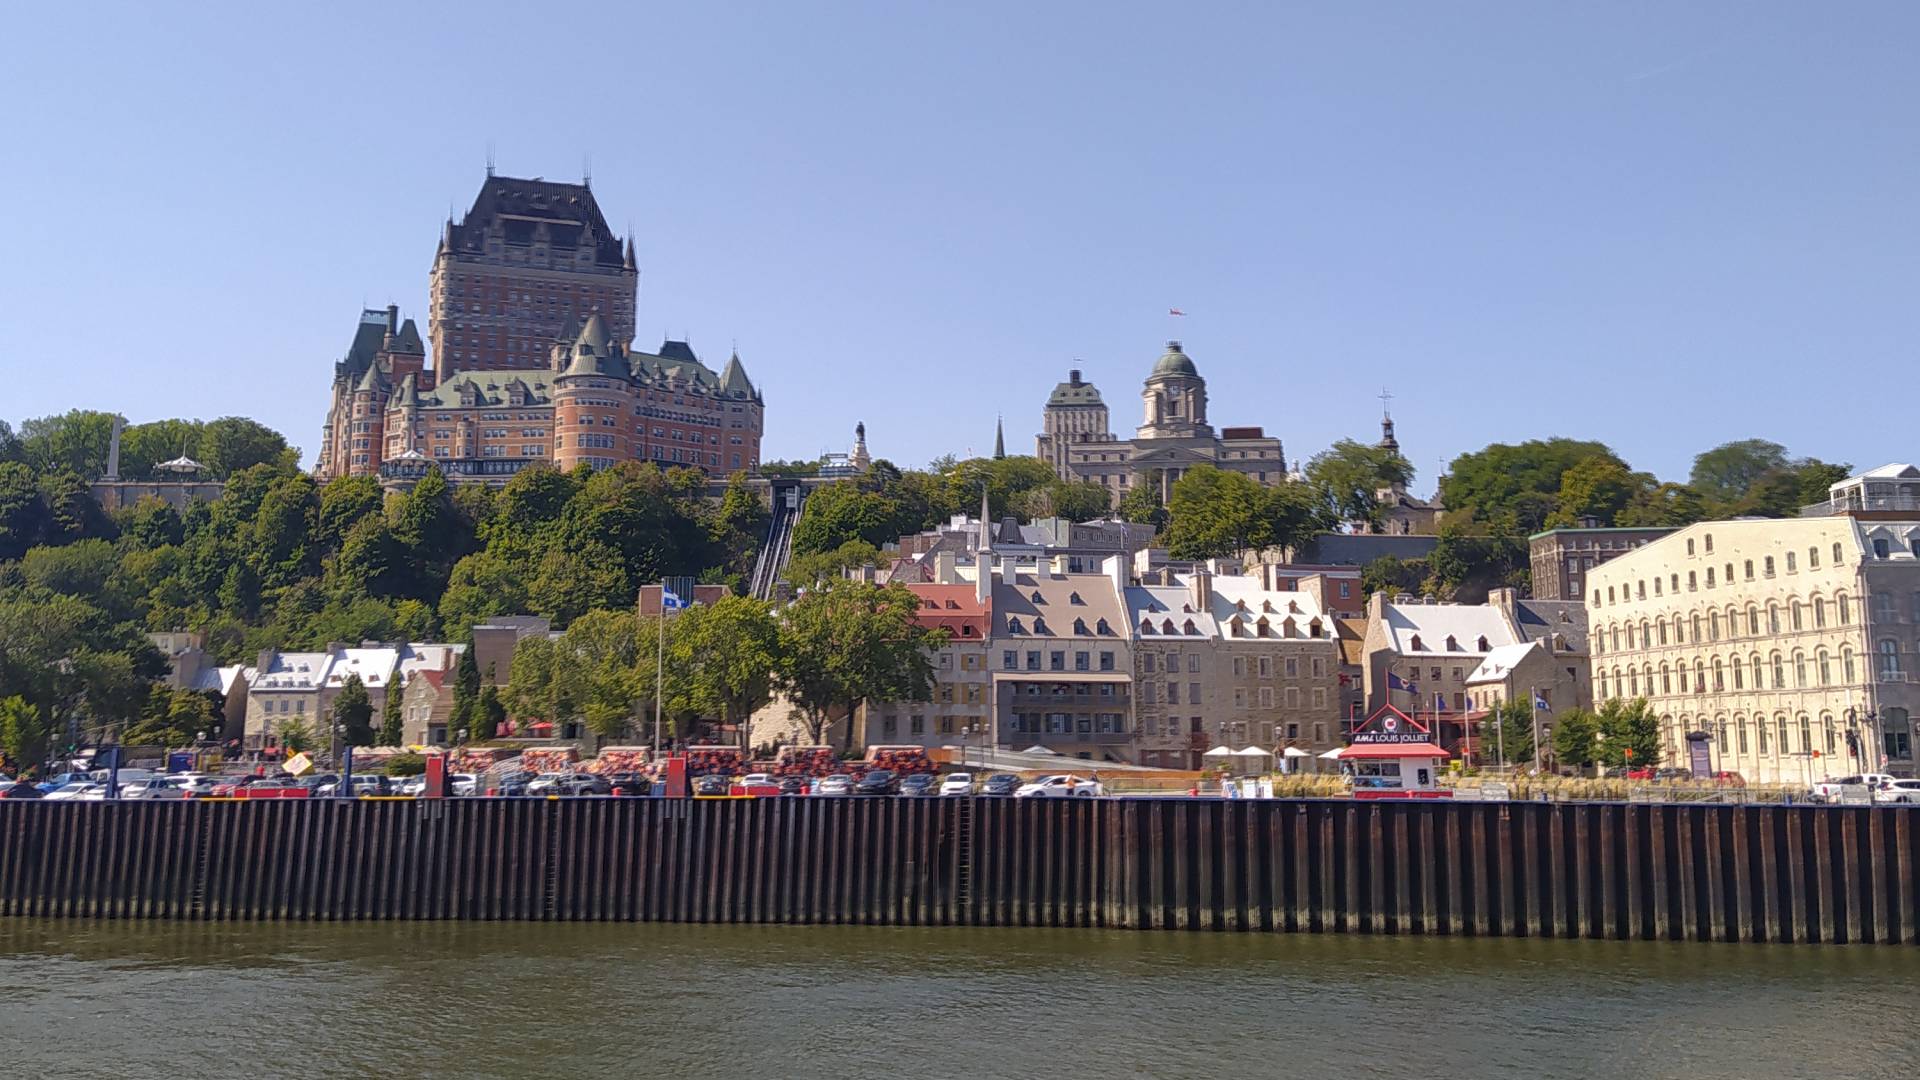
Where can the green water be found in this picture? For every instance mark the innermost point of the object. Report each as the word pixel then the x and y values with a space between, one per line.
pixel 500 1000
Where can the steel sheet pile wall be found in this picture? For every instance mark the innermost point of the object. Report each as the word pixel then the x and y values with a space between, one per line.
pixel 1724 873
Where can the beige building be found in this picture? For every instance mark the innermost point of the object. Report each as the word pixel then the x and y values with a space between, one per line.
pixel 1222 660
pixel 960 708
pixel 1062 662
pixel 1790 643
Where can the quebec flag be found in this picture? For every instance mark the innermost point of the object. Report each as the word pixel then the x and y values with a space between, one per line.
pixel 670 600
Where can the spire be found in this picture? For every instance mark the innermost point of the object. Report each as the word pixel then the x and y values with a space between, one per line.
pixel 999 439
pixel 630 259
pixel 1387 441
pixel 986 533
pixel 733 379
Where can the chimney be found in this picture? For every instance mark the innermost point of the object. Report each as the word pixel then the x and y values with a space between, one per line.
pixel 1073 377
pixel 1115 567
pixel 1059 566
pixel 1200 590
pixel 982 576
pixel 943 567
pixel 1315 585
pixel 1009 570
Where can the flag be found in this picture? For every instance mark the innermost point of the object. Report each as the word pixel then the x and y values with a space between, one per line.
pixel 1540 704
pixel 1395 682
pixel 670 600
pixel 1176 311
pixel 1440 702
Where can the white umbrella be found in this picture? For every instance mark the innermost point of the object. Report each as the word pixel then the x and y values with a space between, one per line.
pixel 1294 751
pixel 1218 751
pixel 1036 748
pixel 1333 754
pixel 1251 751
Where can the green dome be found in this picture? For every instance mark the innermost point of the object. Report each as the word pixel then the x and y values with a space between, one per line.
pixel 1175 362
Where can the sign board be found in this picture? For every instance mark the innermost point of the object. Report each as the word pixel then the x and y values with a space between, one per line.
pixel 1392 737
pixel 1495 792
pixel 1699 755
pixel 299 764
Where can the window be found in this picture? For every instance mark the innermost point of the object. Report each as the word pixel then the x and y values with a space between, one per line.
pixel 1790 570
pixel 1709 577
pixel 1880 548
pixel 1813 558
pixel 1106 661
pixel 1846 611
pixel 1740 732
pixel 1193 661
pixel 1719 676
pixel 1749 565
pixel 1082 661
pixel 1779 672
pixel 1825 668
pixel 1820 610
pixel 1033 660
pixel 1846 664
pixel 1773 618
pixel 1693 582
pixel 1266 697
pixel 1689 546
pixel 1799 668
pixel 1057 660
pixel 1173 692
pixel 1837 560
pixel 1793 615
pixel 1713 626
pixel 1889 659
pixel 1009 659
pixel 1709 539
pixel 1739 680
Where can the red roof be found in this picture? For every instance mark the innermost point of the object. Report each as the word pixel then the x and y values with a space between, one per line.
pixel 1393 750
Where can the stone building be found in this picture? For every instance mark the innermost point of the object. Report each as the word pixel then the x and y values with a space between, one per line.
pixel 1562 558
pixel 961 707
pixel 528 258
pixel 385 353
pixel 1174 436
pixel 1063 664
pixel 1793 645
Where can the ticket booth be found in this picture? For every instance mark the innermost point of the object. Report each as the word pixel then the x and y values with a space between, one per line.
pixel 1394 756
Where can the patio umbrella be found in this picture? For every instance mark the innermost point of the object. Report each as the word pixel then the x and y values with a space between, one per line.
pixel 1036 748
pixel 1333 754
pixel 1294 751
pixel 1251 752
pixel 1218 751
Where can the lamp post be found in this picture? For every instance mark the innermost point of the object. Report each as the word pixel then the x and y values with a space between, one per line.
pixel 1862 726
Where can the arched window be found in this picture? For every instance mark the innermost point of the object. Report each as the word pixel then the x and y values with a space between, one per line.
pixel 1760 728
pixel 1603 686
pixel 1773 618
pixel 1629 636
pixel 1719 677
pixel 1696 626
pixel 1709 577
pixel 1681 670
pixel 1826 719
pixel 1739 676
pixel 1709 539
pixel 1889 659
pixel 1844 608
pixel 1780 729
pixel 1793 613
pixel 1825 668
pixel 1666 679
pixel 1753 621
pixel 1720 732
pixel 1679 631
pixel 1633 683
pixel 1740 733
pixel 1819 613
pixel 1758 682
pixel 1693 581
pixel 1846 664
pixel 1640 590
pixel 1749 569
pixel 1699 676
pixel 1789 562
pixel 1813 558
pixel 1806 730
pixel 1799 668
pixel 1713 625
pixel 1779 672
pixel 1766 566
pixel 1661 625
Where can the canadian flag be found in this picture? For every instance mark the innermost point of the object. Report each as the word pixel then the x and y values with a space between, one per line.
pixel 1176 311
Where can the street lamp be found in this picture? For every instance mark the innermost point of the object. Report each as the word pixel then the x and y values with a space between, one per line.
pixel 1862 735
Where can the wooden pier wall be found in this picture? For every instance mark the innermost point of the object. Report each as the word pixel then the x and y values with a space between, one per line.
pixel 1599 870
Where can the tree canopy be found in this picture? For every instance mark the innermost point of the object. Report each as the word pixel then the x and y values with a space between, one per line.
pixel 1349 475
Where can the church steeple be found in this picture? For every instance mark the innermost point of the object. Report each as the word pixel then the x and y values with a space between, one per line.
pixel 1387 441
pixel 999 439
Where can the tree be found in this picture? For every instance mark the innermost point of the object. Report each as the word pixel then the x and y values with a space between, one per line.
pixel 488 714
pixel 77 441
pixel 1629 734
pixel 232 444
pixel 296 736
pixel 847 642
pixel 1597 488
pixel 600 654
pixel 1782 492
pixel 1725 474
pixel 391 728
pixel 1214 512
pixel 1506 735
pixel 1393 576
pixel 1574 738
pixel 1515 487
pixel 466 692
pixel 26 734
pixel 24 520
pixel 1349 475
pixel 1666 505
pixel 353 712
pixel 729 651
pixel 1141 504
pixel 806 569
pixel 1075 502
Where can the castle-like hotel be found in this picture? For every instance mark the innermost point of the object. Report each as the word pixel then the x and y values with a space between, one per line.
pixel 531 316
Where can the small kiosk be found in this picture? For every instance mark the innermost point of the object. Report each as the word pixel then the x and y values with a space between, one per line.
pixel 1394 756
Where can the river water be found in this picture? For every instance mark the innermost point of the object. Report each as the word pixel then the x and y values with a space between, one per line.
pixel 128 1000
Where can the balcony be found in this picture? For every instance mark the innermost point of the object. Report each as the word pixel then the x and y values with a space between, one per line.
pixel 1889 505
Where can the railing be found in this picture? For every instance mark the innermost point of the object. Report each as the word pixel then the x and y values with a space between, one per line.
pixel 1863 504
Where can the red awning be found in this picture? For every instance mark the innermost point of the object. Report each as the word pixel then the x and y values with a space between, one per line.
pixel 1393 750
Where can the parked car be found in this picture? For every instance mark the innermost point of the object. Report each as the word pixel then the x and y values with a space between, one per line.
pixel 513 783
pixel 1000 784
pixel 60 780
pixel 1898 791
pixel 1059 785
pixel 1672 775
pixel 576 784
pixel 196 785
pixel 793 785
pixel 877 782
pixel 712 785
pixel 462 783
pixel 759 785
pixel 410 785
pixel 918 784
pixel 630 785
pixel 77 791
pixel 361 783
pixel 957 783
pixel 1835 788
pixel 153 787
pixel 540 784
pixel 837 784
pixel 21 789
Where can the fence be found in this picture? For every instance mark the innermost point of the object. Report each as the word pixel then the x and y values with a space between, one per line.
pixel 1602 870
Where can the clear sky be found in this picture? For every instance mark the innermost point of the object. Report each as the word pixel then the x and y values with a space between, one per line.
pixel 1662 225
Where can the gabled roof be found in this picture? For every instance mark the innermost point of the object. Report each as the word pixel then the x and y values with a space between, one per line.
pixel 733 380
pixel 567 214
pixel 1500 663
pixel 1433 624
pixel 1074 392
pixel 489 388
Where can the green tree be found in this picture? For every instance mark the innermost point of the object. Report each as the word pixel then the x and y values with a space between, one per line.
pixel 76 441
pixel 1141 504
pixel 1349 476
pixel 466 692
pixel 296 736
pixel 1506 735
pixel 405 764
pixel 807 569
pixel 1597 488
pixel 728 652
pixel 1075 502
pixel 26 734
pixel 1574 740
pixel 153 523
pixel 1724 474
pixel 232 444
pixel 1662 506
pixel 1629 734
pixel 344 503
pixel 488 714
pixel 24 520
pixel 848 642
pixel 391 733
pixel 1515 487
pixel 600 655
pixel 572 581
pixel 482 585
pixel 353 711
pixel 1393 576
pixel 1215 512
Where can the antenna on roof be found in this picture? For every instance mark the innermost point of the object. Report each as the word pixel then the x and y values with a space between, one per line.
pixel 489 158
pixel 586 171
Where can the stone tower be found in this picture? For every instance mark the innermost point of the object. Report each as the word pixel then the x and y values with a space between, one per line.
pixel 1175 397
pixel 1074 414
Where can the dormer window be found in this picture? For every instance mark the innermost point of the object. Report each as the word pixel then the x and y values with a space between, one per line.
pixel 1080 627
pixel 1166 626
pixel 1146 626
pixel 1014 626
pixel 1186 609
pixel 1240 605
pixel 1074 598
pixel 1037 598
pixel 1040 625
pixel 1103 629
pixel 1267 606
pixel 1416 645
pixel 1484 647
pixel 1453 643
pixel 1314 628
pixel 1293 607
pixel 1188 628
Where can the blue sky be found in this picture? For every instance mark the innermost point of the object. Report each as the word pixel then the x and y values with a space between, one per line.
pixel 1660 225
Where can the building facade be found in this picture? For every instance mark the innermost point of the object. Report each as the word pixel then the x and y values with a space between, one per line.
pixel 528 258
pixel 1562 558
pixel 960 709
pixel 1175 434
pixel 1062 662
pixel 1793 645
pixel 386 352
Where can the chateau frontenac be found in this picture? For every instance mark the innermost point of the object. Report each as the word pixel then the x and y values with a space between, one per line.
pixel 531 323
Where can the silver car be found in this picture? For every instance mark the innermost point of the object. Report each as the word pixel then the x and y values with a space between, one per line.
pixel 153 787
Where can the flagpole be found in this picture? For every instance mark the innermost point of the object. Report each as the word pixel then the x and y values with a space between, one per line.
pixel 1533 706
pixel 660 670
pixel 1500 733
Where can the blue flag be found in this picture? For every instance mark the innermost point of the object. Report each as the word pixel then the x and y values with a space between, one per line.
pixel 1440 702
pixel 670 600
pixel 1395 682
pixel 1540 704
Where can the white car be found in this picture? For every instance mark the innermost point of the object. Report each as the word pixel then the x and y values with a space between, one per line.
pixel 153 787
pixel 412 785
pixel 837 784
pixel 1060 786
pixel 956 783
pixel 462 783
pixel 1837 788
pixel 542 784
pixel 1898 791
pixel 78 791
